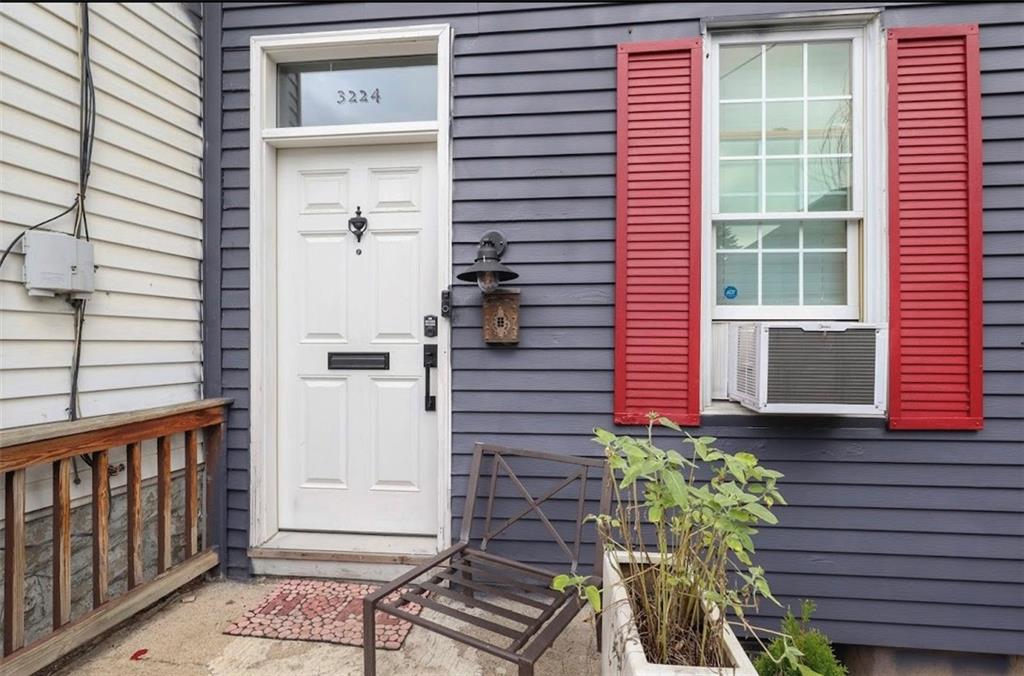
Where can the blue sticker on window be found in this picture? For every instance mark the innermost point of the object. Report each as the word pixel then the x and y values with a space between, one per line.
pixel 730 292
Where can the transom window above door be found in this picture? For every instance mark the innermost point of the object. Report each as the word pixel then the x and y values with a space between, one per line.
pixel 357 91
pixel 786 197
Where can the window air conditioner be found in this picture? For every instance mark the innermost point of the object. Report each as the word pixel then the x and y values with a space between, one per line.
pixel 808 367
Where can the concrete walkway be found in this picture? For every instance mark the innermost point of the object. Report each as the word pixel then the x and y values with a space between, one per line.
pixel 184 638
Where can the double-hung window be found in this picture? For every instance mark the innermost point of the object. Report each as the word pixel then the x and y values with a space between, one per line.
pixel 786 196
pixel 796 176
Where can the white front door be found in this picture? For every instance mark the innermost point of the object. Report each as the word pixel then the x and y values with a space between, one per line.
pixel 357 449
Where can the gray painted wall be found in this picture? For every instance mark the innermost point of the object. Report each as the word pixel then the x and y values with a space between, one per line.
pixel 903 538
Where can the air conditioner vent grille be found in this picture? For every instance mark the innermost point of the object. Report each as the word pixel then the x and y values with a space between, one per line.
pixel 746 361
pixel 821 367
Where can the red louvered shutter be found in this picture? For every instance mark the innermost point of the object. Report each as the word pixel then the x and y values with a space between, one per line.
pixel 935 228
pixel 657 253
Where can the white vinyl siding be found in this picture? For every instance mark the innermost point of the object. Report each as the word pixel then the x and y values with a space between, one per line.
pixel 142 342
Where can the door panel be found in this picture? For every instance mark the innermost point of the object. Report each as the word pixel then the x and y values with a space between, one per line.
pixel 397 469
pixel 326 461
pixel 394 317
pixel 357 450
pixel 324 192
pixel 324 318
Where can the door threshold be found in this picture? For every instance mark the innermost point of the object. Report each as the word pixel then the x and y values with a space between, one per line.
pixel 338 565
pixel 366 543
pixel 348 556
pixel 335 556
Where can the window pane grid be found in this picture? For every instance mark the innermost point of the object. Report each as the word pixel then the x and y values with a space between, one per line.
pixel 741 250
pixel 821 172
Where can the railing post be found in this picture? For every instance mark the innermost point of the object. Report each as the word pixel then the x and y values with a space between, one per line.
pixel 135 570
pixel 61 542
pixel 191 494
pixel 14 560
pixel 100 528
pixel 213 451
pixel 163 504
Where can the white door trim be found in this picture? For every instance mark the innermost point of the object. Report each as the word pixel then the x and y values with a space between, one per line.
pixel 266 51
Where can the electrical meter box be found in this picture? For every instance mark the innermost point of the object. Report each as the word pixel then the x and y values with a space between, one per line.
pixel 56 263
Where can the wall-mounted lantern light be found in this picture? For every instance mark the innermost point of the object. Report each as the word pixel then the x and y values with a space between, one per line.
pixel 500 306
pixel 488 271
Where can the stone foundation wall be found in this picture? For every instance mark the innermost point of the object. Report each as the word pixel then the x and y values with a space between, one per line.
pixel 39 553
pixel 876 661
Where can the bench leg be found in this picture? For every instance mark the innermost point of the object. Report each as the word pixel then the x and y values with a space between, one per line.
pixel 468 577
pixel 525 670
pixel 369 640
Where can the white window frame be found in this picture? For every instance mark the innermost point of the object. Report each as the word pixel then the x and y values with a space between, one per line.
pixel 851 310
pixel 870 188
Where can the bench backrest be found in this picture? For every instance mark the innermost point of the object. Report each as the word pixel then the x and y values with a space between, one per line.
pixel 536 499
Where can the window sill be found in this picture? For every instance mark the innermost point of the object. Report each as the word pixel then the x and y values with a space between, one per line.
pixel 720 413
pixel 720 407
pixel 731 408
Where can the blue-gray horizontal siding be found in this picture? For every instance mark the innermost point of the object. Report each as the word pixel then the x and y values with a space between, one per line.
pixel 909 539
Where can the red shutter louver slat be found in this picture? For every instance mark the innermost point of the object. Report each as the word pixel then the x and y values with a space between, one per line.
pixel 658 222
pixel 935 226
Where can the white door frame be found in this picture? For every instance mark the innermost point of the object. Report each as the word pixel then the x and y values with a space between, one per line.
pixel 266 51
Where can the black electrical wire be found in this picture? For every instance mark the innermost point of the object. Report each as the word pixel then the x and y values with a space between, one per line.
pixel 86 141
pixel 76 360
pixel 29 228
pixel 87 125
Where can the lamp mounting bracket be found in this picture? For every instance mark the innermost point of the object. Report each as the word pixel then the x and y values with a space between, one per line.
pixel 497 239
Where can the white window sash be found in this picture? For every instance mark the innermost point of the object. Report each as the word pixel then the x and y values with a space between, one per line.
pixel 851 310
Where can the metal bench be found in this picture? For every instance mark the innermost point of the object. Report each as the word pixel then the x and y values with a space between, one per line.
pixel 467 571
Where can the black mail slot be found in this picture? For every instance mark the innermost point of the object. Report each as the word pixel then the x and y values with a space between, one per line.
pixel 343 361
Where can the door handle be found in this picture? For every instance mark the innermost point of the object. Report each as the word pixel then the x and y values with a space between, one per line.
pixel 429 361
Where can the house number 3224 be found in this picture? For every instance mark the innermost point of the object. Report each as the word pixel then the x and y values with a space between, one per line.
pixel 358 96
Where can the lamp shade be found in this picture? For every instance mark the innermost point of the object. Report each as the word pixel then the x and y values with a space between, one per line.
pixel 488 264
pixel 480 267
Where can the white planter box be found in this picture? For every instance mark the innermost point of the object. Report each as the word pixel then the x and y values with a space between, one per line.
pixel 621 652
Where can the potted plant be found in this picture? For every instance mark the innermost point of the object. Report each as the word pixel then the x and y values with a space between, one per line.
pixel 816 647
pixel 678 557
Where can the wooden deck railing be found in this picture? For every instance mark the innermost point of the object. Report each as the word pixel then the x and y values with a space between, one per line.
pixel 56 444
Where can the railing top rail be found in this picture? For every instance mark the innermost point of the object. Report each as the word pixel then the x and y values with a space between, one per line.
pixel 22 447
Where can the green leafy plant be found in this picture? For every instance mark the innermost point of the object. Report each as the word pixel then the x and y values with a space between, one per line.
pixel 815 646
pixel 684 523
pixel 587 592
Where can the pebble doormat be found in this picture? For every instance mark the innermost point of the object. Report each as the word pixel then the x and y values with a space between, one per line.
pixel 321 610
